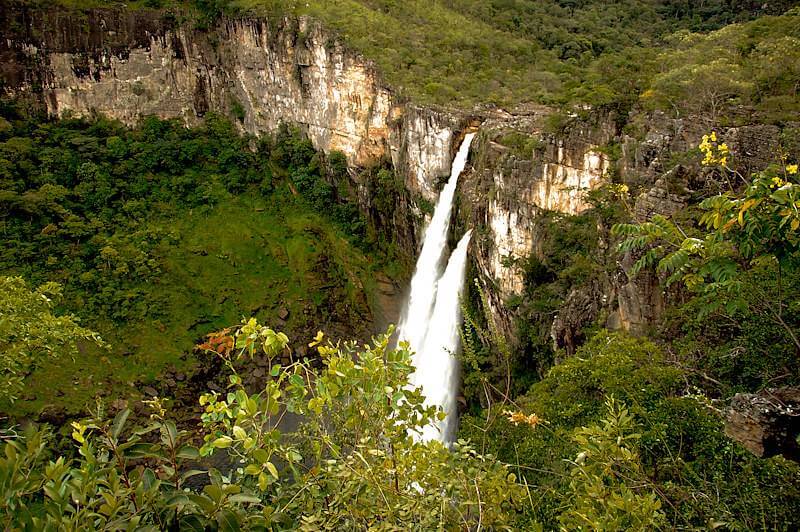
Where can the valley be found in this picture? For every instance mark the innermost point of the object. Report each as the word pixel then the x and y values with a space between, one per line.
pixel 369 264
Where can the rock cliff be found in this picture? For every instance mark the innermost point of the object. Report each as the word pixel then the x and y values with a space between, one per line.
pixel 126 64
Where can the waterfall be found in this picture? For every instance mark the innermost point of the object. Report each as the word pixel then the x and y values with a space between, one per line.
pixel 437 366
pixel 432 316
pixel 422 296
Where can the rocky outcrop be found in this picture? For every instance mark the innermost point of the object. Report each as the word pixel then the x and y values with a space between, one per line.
pixel 579 308
pixel 133 64
pixel 519 171
pixel 767 423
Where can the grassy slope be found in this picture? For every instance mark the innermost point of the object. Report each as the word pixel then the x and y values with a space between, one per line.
pixel 249 256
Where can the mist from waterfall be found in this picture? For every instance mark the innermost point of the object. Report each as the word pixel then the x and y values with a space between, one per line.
pixel 431 319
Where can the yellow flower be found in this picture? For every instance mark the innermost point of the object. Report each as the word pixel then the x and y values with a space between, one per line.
pixel 792 169
pixel 518 417
pixel 713 136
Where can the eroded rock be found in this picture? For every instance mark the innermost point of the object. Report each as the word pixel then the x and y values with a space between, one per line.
pixel 766 423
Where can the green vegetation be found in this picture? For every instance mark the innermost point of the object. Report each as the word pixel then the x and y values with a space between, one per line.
pixel 641 419
pixel 160 234
pixel 740 261
pixel 30 333
pixel 352 464
pixel 661 460
pixel 672 446
pixel 569 258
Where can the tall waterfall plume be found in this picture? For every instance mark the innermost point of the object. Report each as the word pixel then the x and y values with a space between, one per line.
pixel 437 367
pixel 414 323
pixel 432 315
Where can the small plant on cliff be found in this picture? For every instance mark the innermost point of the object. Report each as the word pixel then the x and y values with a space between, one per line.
pixel 744 238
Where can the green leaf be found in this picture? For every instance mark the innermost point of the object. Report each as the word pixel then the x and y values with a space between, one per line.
pixel 244 498
pixel 172 430
pixel 223 442
pixel 177 499
pixel 204 503
pixel 260 455
pixel 188 452
pixel 119 422
pixel 272 469
pixel 228 521
pixel 191 523
pixel 192 473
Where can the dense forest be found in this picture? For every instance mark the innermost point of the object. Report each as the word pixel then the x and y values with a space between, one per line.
pixel 161 234
pixel 192 317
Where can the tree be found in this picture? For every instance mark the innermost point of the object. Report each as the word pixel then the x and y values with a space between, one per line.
pixel 30 331
pixel 610 489
pixel 744 239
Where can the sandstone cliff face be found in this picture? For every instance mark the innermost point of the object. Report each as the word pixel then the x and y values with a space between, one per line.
pixel 511 185
pixel 130 64
pixel 126 64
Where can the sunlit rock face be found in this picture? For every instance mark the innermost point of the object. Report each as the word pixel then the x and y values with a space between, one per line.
pixel 511 187
pixel 130 64
pixel 261 74
pixel 423 148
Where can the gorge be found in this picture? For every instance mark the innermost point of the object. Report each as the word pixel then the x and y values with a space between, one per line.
pixel 136 64
pixel 581 216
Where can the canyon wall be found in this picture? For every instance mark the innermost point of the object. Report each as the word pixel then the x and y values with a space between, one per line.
pixel 127 64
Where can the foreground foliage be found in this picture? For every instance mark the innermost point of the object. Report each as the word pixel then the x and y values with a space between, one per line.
pixel 351 463
pixel 739 258
pixel 657 456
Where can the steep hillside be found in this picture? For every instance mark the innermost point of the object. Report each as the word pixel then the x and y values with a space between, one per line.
pixel 161 235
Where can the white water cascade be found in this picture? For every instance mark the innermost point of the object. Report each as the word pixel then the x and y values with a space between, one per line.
pixel 437 367
pixel 432 316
